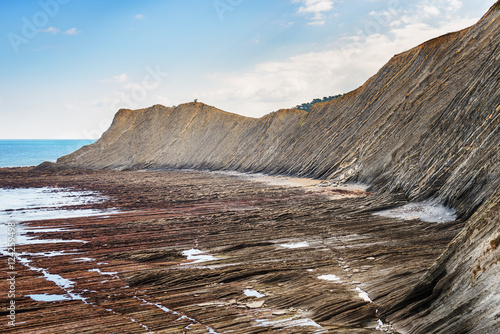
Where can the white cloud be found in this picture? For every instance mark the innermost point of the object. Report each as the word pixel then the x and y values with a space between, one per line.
pixel 50 30
pixel 315 7
pixel 432 10
pixel 339 69
pixel 133 86
pixel 139 16
pixel 121 78
pixel 72 31
pixel 317 23
pixel 454 4
pixel 55 31
pixel 164 100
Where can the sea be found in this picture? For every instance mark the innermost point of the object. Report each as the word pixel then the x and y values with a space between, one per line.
pixel 32 152
pixel 28 204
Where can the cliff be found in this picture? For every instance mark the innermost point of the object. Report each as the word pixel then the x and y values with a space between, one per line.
pixel 426 126
pixel 460 293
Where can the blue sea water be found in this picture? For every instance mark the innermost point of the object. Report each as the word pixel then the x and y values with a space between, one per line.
pixel 32 152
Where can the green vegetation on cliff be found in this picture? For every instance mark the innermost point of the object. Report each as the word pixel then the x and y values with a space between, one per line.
pixel 307 106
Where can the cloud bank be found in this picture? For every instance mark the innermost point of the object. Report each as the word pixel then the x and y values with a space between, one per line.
pixel 338 69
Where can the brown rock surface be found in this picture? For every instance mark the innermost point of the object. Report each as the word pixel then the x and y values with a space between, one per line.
pixel 460 293
pixel 426 126
pixel 250 228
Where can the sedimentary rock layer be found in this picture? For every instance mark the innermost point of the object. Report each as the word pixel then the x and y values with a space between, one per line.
pixel 278 241
pixel 426 125
pixel 460 293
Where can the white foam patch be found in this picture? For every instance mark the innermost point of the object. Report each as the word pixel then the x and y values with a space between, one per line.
pixel 37 198
pixel 331 278
pixel 111 273
pixel 31 204
pixel 29 236
pixel 293 245
pixel 287 323
pixel 363 295
pixel 82 259
pixel 253 293
pixel 181 316
pixel 47 254
pixel 197 256
pixel 430 212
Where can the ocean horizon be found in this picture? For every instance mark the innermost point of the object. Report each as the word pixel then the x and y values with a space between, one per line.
pixel 32 152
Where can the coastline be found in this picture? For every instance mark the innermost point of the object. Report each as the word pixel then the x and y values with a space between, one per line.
pixel 32 152
pixel 132 270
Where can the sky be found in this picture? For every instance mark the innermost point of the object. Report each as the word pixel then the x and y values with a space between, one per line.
pixel 67 66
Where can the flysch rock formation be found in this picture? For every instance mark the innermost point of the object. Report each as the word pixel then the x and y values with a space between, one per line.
pixel 426 126
pixel 461 292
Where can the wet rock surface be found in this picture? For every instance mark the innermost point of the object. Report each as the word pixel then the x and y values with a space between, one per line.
pixel 193 252
pixel 262 258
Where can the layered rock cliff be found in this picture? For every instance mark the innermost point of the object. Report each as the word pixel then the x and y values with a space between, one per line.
pixel 427 126
pixel 461 292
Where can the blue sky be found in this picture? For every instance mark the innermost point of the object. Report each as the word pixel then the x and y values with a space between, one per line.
pixel 68 65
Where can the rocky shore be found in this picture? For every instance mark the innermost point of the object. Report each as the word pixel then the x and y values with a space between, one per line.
pixel 196 252
pixel 192 251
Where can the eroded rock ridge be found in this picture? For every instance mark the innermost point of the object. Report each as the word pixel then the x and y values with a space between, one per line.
pixel 426 126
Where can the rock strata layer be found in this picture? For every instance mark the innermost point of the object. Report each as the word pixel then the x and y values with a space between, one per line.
pixel 191 251
pixel 460 293
pixel 425 127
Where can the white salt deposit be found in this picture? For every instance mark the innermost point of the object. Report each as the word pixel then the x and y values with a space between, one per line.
pixel 425 211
